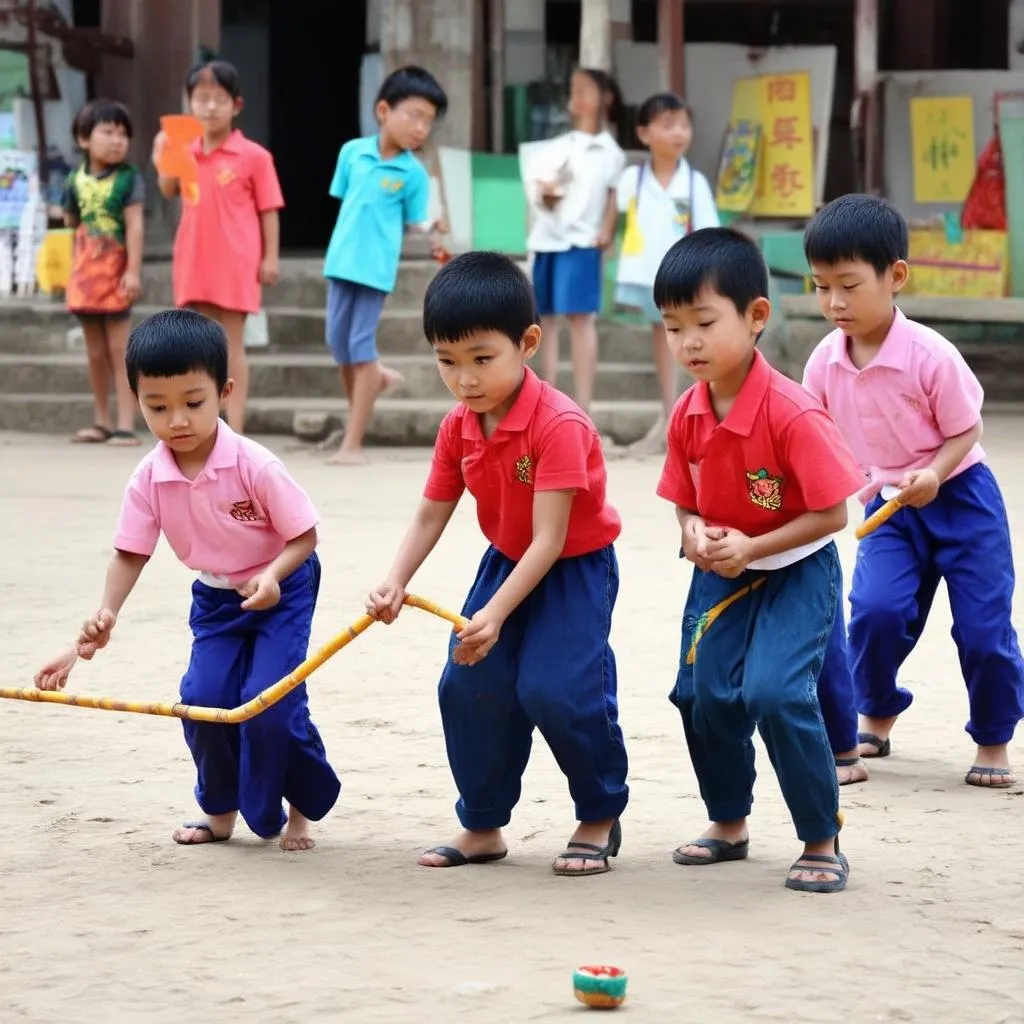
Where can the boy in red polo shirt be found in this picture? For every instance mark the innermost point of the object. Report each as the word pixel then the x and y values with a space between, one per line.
pixel 535 652
pixel 759 476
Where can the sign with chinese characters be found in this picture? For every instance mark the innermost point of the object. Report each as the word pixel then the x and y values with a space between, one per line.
pixel 942 139
pixel 975 267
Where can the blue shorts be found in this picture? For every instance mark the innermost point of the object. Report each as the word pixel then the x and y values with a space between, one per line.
pixel 567 283
pixel 639 297
pixel 353 312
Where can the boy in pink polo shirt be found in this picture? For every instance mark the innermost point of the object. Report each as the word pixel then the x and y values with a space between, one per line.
pixel 535 653
pixel 910 408
pixel 230 511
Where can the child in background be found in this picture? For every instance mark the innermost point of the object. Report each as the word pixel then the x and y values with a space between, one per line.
pixel 663 199
pixel 535 653
pixel 911 409
pixel 759 476
pixel 103 202
pixel 570 187
pixel 228 241
pixel 231 512
pixel 383 190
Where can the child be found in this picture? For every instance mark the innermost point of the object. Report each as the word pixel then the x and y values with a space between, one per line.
pixel 663 198
pixel 103 202
pixel 383 188
pixel 230 511
pixel 228 240
pixel 759 476
pixel 839 704
pixel 911 408
pixel 571 190
pixel 535 652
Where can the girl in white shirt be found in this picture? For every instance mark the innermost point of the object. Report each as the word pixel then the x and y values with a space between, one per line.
pixel 571 189
pixel 663 198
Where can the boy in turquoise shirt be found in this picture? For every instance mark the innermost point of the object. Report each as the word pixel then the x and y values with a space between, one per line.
pixel 383 190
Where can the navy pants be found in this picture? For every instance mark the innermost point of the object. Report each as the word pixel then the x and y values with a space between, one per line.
pixel 277 755
pixel 552 668
pixel 962 537
pixel 835 688
pixel 757 665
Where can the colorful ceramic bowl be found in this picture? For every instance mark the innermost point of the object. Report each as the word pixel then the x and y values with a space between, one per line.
pixel 600 987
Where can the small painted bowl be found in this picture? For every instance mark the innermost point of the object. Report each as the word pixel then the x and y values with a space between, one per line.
pixel 600 987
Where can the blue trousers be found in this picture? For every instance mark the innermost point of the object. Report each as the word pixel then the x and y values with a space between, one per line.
pixel 757 665
pixel 277 755
pixel 552 668
pixel 962 537
pixel 836 694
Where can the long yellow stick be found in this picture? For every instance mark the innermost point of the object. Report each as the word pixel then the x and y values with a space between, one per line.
pixel 882 515
pixel 229 716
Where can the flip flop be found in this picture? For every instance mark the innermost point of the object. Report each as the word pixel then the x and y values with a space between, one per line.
pixel 977 770
pixel 201 826
pixel 590 852
pixel 884 747
pixel 721 850
pixel 91 435
pixel 123 439
pixel 457 859
pixel 837 865
pixel 849 762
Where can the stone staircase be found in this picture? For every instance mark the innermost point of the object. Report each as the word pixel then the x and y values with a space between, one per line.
pixel 294 384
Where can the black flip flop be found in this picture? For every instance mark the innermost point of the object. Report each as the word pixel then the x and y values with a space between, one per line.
pixel 457 859
pixel 884 747
pixel 977 770
pixel 590 852
pixel 202 826
pixel 721 850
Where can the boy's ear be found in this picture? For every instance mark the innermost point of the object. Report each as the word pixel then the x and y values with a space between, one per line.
pixel 900 271
pixel 229 386
pixel 758 314
pixel 239 103
pixel 381 111
pixel 531 340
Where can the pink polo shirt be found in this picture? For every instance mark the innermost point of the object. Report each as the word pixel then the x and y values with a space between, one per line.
pixel 231 521
pixel 899 410
pixel 219 245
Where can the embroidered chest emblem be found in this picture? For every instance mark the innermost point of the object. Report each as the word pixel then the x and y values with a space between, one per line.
pixel 524 470
pixel 225 176
pixel 392 184
pixel 245 511
pixel 764 490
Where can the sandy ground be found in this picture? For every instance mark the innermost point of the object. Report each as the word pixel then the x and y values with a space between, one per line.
pixel 104 918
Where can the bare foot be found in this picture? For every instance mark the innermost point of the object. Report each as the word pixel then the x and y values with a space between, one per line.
pixel 732 832
pixel 850 769
pixel 296 836
pixel 991 768
pixel 878 729
pixel 216 828
pixel 348 457
pixel 390 381
pixel 474 847
pixel 588 833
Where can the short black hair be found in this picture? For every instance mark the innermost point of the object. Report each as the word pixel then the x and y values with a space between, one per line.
pixel 610 93
pixel 413 82
pixel 658 104
pixel 101 111
pixel 175 342
pixel 723 259
pixel 857 227
pixel 224 74
pixel 478 291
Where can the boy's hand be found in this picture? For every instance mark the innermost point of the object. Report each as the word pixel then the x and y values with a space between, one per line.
pixel 54 674
pixel 919 487
pixel 95 633
pixel 260 593
pixel 131 285
pixel 440 226
pixel 158 145
pixel 477 639
pixel 604 240
pixel 730 554
pixel 550 193
pixel 696 537
pixel 270 271
pixel 384 603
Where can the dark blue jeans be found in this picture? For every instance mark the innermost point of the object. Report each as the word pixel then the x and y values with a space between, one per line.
pixel 552 668
pixel 962 537
pixel 277 755
pixel 757 665
pixel 835 687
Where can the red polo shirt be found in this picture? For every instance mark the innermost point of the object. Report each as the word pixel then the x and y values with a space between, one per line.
pixel 775 456
pixel 544 443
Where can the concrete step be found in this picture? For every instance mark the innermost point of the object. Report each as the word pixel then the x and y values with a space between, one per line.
pixel 309 375
pixel 397 421
pixel 302 283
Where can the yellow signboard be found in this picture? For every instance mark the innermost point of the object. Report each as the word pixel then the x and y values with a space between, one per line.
pixel 942 138
pixel 975 268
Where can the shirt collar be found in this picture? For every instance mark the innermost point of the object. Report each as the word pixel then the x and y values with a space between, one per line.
pixel 748 401
pixel 224 455
pixel 518 418
pixel 232 144
pixel 891 353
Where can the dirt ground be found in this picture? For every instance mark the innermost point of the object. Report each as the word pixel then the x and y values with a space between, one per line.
pixel 104 918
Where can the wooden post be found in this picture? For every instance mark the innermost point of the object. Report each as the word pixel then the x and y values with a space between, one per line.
pixel 596 34
pixel 671 43
pixel 864 116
